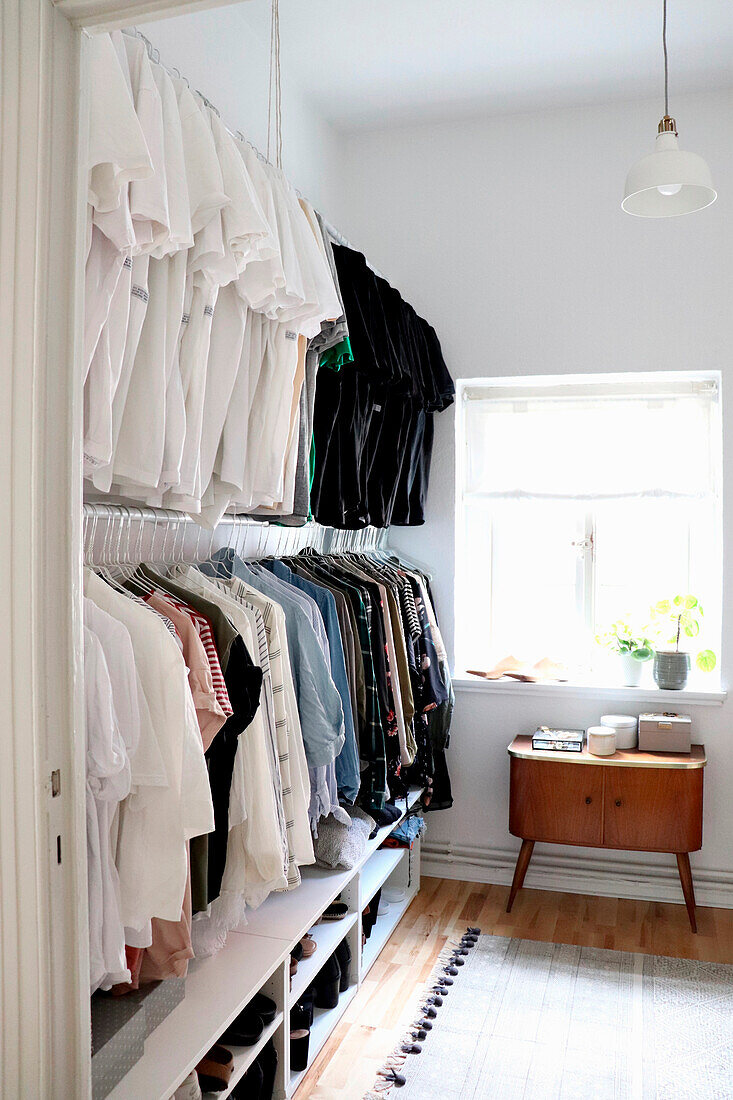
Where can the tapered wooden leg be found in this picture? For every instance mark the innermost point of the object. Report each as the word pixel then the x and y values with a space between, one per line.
pixel 525 855
pixel 683 866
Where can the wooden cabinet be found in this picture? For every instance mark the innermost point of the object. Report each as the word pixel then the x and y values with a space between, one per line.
pixel 632 800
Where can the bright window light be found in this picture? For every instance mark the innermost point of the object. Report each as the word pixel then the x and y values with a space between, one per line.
pixel 581 501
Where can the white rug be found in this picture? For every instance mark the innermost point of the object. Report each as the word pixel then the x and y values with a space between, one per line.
pixel 543 1021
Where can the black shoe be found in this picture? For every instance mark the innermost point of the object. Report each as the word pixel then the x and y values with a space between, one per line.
pixel 337 910
pixel 245 1030
pixel 343 955
pixel 299 1043
pixel 250 1087
pixel 268 1065
pixel 264 1007
pixel 301 1015
pixel 327 984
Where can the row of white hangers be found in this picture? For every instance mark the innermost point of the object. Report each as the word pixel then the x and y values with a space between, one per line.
pixel 126 535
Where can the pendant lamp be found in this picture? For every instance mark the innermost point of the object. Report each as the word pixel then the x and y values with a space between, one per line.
pixel 668 181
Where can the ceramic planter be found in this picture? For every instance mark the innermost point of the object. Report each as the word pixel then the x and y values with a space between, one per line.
pixel 671 669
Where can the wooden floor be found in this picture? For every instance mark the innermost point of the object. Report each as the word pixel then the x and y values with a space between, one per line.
pixel 377 1017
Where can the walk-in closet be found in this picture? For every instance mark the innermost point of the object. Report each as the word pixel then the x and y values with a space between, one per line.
pixel 364 469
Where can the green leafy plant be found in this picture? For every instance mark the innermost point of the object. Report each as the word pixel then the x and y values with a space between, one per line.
pixel 622 638
pixel 679 619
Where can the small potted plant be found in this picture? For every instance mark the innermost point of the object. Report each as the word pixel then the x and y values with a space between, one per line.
pixel 678 619
pixel 632 647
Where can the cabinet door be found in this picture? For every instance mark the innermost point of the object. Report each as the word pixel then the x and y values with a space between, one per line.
pixel 560 803
pixel 653 809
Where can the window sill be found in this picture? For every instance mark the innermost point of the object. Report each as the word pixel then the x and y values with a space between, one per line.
pixel 653 695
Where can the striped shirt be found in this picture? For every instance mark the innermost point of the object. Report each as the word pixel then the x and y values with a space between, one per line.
pixel 203 626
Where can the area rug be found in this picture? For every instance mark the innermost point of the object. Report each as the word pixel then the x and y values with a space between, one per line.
pixel 542 1021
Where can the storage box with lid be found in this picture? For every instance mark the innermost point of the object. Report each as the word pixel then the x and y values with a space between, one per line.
pixel 665 732
pixel 625 727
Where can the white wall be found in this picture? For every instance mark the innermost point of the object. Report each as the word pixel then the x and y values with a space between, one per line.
pixel 507 234
pixel 225 54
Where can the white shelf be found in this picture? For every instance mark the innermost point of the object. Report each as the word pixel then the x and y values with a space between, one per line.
pixel 328 936
pixel 290 915
pixel 377 870
pixel 324 1021
pixel 217 989
pixel 381 932
pixel 245 1056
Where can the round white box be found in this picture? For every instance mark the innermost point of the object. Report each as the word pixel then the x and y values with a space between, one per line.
pixel 601 741
pixel 626 727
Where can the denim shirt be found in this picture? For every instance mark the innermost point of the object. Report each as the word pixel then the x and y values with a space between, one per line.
pixel 347 761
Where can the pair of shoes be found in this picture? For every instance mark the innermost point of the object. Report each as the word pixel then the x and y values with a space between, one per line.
pixel 258 1082
pixel 337 910
pixel 334 978
pixel 299 1044
pixel 247 1028
pixel 215 1069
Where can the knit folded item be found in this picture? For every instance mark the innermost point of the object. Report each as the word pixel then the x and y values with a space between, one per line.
pixel 340 845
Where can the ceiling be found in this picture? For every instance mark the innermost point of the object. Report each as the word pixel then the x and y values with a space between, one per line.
pixel 366 63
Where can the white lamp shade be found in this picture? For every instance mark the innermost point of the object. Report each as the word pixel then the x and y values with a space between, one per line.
pixel 668 167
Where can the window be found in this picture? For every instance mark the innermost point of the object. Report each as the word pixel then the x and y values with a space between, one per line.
pixel 580 501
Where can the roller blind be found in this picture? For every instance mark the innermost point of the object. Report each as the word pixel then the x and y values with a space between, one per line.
pixel 639 438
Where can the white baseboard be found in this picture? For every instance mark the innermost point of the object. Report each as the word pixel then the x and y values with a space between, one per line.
pixel 577 874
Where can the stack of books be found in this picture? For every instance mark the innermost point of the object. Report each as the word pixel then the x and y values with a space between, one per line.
pixel 558 740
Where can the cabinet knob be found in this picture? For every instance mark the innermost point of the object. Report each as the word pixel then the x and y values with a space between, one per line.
pixel 618 801
pixel 588 801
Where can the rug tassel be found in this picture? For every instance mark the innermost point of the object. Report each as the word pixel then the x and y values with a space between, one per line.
pixel 396 1060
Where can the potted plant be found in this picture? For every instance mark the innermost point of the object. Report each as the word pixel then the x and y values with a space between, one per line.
pixel 632 647
pixel 678 619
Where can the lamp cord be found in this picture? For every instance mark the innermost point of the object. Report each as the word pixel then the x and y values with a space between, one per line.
pixel 664 46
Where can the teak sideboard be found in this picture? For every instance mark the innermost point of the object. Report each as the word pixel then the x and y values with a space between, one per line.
pixel 636 801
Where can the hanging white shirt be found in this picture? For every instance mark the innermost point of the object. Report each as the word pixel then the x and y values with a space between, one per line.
pixel 107 783
pixel 151 853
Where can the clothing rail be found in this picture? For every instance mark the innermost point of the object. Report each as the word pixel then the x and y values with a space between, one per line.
pixel 154 55
pixel 118 534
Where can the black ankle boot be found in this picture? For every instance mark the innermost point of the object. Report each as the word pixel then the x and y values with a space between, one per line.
pixel 327 984
pixel 343 955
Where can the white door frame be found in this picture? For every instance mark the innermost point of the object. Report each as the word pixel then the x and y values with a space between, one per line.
pixel 44 1018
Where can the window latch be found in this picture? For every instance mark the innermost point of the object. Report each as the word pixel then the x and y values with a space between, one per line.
pixel 583 544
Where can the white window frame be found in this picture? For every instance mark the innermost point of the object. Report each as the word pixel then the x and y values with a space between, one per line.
pixel 587 577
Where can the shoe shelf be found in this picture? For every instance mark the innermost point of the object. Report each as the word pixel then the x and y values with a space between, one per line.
pixel 217 989
pixel 328 935
pixel 381 932
pixel 324 1021
pixel 256 957
pixel 245 1056
pixel 376 871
